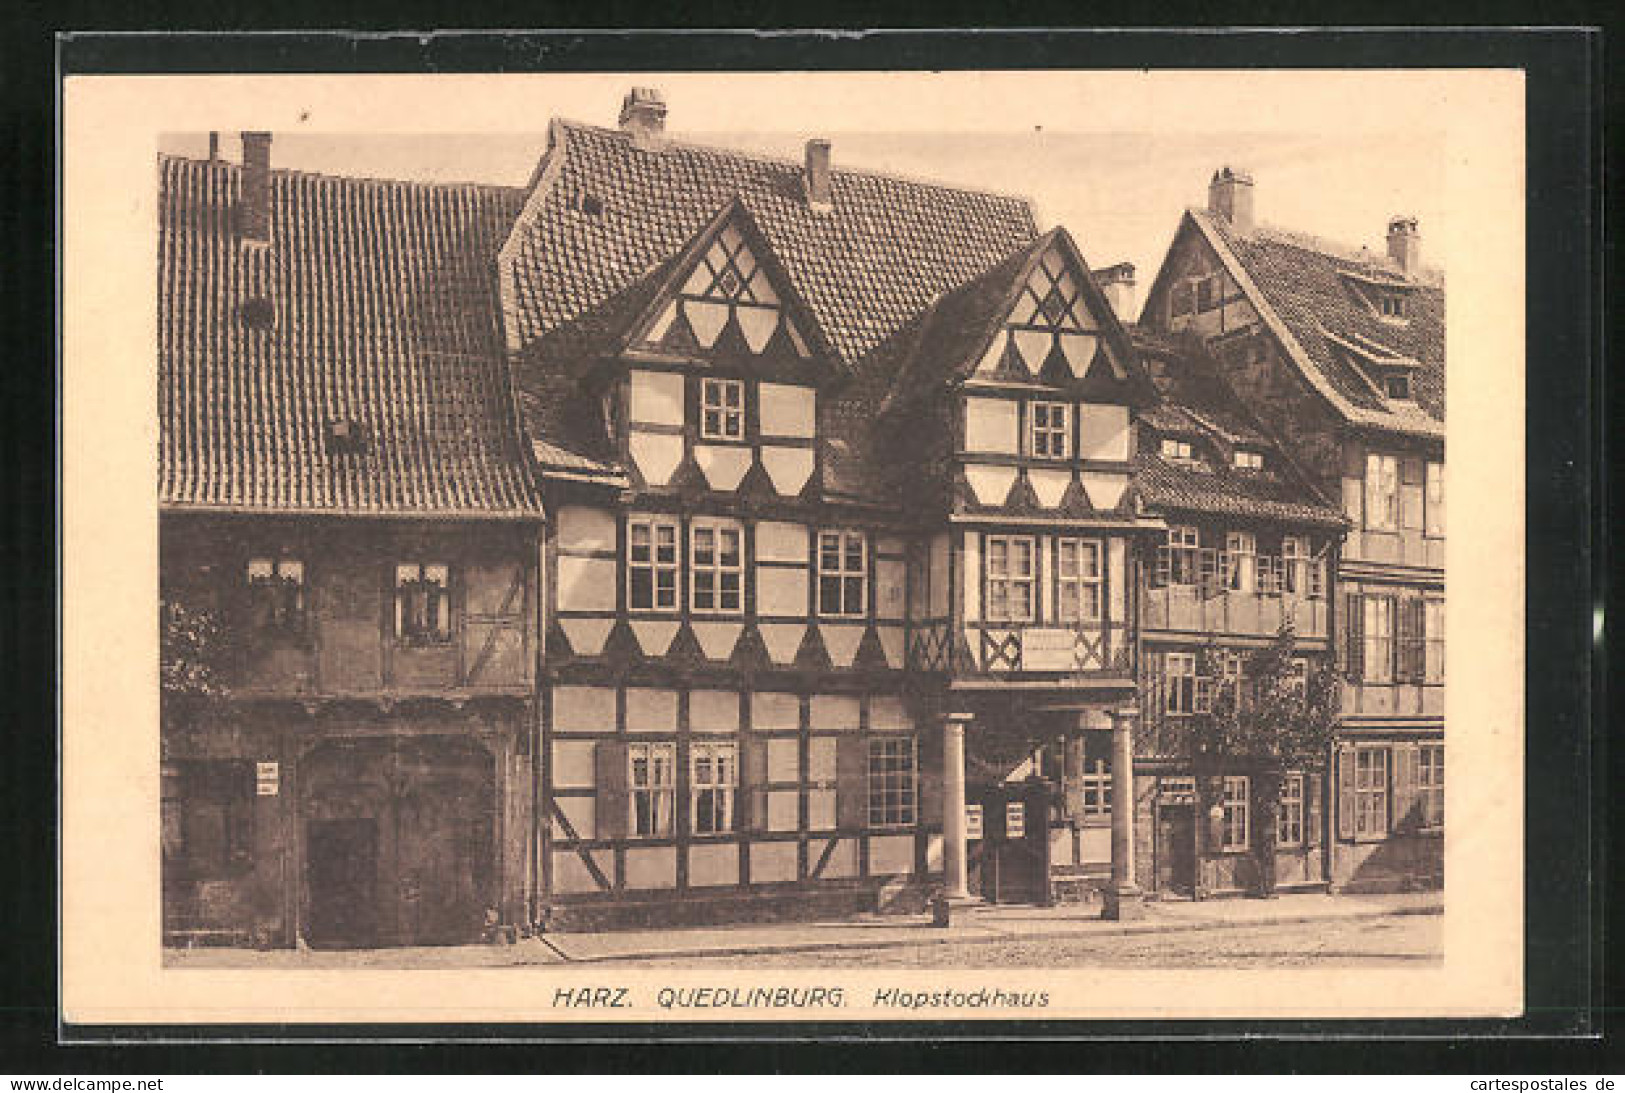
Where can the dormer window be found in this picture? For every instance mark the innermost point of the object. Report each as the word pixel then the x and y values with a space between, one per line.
pixel 1393 305
pixel 1051 430
pixel 1248 460
pixel 1397 386
pixel 1178 451
pixel 722 409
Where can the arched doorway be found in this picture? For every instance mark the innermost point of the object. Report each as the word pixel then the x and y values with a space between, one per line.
pixel 399 842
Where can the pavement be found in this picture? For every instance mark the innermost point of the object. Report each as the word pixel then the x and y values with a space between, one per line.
pixel 970 925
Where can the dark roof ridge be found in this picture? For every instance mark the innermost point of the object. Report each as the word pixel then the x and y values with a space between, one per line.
pixel 788 161
pixel 1431 277
pixel 327 176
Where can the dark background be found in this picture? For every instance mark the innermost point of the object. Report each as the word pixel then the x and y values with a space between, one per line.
pixel 1568 814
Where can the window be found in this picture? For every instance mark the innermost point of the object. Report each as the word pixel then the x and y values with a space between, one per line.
pixel 1242 548
pixel 1009 578
pixel 843 567
pixel 713 777
pixel 1295 565
pixel 1393 305
pixel 1370 792
pixel 1434 500
pixel 1235 824
pixel 207 816
pixel 1077 580
pixel 1249 461
pixel 1097 789
pixel 1289 818
pixel 1430 785
pixel 1397 385
pixel 1051 430
pixel 1180 451
pixel 891 782
pixel 1208 293
pixel 1378 651
pixel 1381 492
pixel 1297 680
pixel 651 564
pixel 1228 682
pixel 423 603
pixel 722 409
pixel 1179 683
pixel 1177 562
pixel 276 594
pixel 652 782
pixel 1433 632
pixel 716 567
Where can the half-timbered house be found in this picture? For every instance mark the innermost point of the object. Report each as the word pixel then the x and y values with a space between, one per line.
pixel 1341 352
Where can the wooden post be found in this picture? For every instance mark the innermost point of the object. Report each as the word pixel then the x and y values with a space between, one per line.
pixel 1122 896
pixel 954 863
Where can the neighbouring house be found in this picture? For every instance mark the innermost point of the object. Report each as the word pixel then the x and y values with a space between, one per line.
pixel 1340 352
pixel 343 495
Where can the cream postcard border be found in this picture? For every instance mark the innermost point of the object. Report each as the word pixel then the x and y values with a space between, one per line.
pixel 111 970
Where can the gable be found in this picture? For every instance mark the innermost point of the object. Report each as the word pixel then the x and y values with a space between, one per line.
pixel 1049 331
pixel 727 295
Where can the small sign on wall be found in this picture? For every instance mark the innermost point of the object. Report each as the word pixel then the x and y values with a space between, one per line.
pixel 267 778
pixel 973 821
pixel 1015 820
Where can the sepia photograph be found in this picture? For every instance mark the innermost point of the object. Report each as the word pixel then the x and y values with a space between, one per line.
pixel 760 523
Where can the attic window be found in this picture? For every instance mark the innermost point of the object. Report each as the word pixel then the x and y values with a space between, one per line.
pixel 258 313
pixel 346 437
pixel 1393 305
pixel 1248 460
pixel 1179 451
pixel 1397 385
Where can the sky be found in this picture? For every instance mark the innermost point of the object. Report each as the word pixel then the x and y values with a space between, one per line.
pixel 1115 157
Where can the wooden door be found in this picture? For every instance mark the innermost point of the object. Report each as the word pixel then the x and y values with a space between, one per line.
pixel 342 872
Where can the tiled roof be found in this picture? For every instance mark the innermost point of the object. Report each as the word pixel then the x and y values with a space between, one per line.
pixel 886 248
pixel 572 279
pixel 381 312
pixel 1313 288
pixel 1197 402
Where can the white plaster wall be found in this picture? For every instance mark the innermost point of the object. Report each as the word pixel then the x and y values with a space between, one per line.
pixel 650 709
pixel 780 542
pixel 787 410
pixel 573 764
pixel 773 711
pixel 657 397
pixel 990 425
pixel 583 709
pixel 713 865
pixel 587 584
pixel 1104 430
pixel 581 527
pixel 713 711
pixel 651 867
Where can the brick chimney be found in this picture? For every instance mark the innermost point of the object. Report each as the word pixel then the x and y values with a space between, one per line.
pixel 1405 243
pixel 1117 282
pixel 643 117
pixel 1230 195
pixel 820 195
pixel 254 211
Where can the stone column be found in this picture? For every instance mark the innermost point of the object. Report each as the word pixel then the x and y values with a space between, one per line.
pixel 1122 895
pixel 953 807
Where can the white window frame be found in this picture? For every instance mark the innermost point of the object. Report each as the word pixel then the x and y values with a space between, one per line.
pixel 1235 822
pixel 1393 305
pixel 1433 500
pixel 1002 587
pixel 276 590
pixel 716 569
pixel 1246 459
pixel 1430 785
pixel 1381 491
pixel 1177 450
pixel 1377 636
pixel 1372 767
pixel 1433 637
pixel 1184 548
pixel 714 405
pixel 1291 815
pixel 663 594
pixel 713 785
pixel 1081 579
pixel 1053 438
pixel 892 785
pixel 651 800
pixel 428 575
pixel 1295 565
pixel 1241 549
pixel 1179 684
pixel 850 584
pixel 1096 785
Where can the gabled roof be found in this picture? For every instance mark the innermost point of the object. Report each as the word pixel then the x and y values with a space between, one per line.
pixel 1308 291
pixel 1197 402
pixel 967 326
pixel 372 304
pixel 885 249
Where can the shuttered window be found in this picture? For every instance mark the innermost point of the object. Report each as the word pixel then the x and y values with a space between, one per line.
pixel 1381 492
pixel 1370 792
pixel 1434 502
pixel 1430 785
pixel 1433 627
pixel 1378 653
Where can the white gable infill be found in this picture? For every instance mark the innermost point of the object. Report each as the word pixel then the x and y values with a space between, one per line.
pixel 1414 424
pixel 1053 307
pixel 727 276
